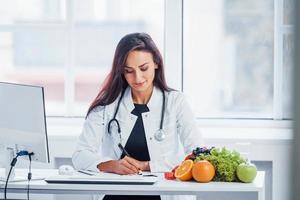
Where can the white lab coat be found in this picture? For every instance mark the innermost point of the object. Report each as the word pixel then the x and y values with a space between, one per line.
pixel 96 145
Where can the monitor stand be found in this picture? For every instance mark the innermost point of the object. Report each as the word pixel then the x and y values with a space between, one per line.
pixel 8 154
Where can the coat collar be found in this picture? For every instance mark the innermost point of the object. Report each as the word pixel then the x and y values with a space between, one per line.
pixel 154 103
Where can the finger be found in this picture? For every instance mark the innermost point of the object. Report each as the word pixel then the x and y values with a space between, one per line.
pixel 132 169
pixel 127 171
pixel 123 169
pixel 133 161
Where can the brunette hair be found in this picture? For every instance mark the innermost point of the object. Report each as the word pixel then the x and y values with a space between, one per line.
pixel 115 82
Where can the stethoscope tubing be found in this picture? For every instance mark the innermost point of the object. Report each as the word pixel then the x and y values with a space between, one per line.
pixel 115 114
pixel 117 109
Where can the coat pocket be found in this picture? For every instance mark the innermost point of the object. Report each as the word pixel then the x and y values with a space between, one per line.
pixel 169 144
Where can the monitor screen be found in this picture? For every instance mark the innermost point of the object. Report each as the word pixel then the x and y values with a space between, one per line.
pixel 22 119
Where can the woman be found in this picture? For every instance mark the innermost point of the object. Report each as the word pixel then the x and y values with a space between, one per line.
pixel 135 109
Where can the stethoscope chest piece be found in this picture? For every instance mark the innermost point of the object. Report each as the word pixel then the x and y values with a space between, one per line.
pixel 160 135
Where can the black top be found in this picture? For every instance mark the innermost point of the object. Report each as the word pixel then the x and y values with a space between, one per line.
pixel 136 144
pixel 137 148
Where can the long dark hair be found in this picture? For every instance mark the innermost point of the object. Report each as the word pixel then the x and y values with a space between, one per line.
pixel 115 82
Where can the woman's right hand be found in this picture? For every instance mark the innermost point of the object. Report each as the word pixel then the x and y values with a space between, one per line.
pixel 123 166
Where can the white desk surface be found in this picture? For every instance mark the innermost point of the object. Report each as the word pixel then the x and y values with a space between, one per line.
pixel 162 187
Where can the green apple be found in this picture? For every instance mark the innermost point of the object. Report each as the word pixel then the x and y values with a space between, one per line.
pixel 246 172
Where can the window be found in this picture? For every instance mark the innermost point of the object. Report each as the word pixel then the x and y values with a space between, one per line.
pixel 236 61
pixel 68 46
pixel 232 58
pixel 33 47
pixel 288 56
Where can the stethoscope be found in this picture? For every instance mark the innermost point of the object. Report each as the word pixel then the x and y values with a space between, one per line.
pixel 159 135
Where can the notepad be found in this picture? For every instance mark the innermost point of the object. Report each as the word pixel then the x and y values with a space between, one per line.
pixel 103 178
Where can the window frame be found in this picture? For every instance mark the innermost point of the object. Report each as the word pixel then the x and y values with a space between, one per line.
pixel 279 31
pixel 173 57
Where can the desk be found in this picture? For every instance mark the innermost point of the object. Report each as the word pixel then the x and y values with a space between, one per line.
pixel 162 187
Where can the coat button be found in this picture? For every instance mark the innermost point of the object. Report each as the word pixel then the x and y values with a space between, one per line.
pixel 146 115
pixel 150 138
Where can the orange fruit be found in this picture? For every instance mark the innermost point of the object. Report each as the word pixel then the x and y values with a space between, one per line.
pixel 184 171
pixel 203 171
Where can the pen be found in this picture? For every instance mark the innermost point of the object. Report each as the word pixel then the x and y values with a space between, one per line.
pixel 85 172
pixel 127 154
pixel 123 150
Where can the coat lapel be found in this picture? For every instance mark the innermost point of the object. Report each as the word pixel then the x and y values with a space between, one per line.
pixel 151 122
pixel 151 119
pixel 126 119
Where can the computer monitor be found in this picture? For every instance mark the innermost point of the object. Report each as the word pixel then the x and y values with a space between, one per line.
pixel 23 121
